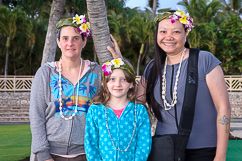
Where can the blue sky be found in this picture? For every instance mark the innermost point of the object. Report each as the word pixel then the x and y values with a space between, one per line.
pixel 163 4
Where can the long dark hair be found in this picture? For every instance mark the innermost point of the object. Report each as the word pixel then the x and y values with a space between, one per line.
pixel 153 73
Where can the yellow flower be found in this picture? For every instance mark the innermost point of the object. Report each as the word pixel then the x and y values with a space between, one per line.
pixel 117 62
pixel 78 19
pixel 183 20
pixel 180 13
pixel 83 27
pixel 88 25
pixel 107 63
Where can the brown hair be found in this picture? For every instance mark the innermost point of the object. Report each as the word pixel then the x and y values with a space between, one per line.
pixel 104 95
pixel 76 30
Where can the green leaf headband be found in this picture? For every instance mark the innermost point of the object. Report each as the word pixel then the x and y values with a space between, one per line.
pixel 79 22
pixel 116 64
pixel 183 17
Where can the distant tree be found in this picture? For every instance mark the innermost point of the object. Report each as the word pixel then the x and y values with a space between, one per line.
pixel 115 5
pixel 57 10
pixel 204 36
pixel 229 45
pixel 233 6
pixel 205 11
pixel 14 23
pixel 142 30
pixel 153 4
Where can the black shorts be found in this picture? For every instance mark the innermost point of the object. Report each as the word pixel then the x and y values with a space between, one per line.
pixel 59 158
pixel 204 154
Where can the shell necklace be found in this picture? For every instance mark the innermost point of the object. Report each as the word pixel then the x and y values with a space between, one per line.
pixel 106 117
pixel 60 92
pixel 174 99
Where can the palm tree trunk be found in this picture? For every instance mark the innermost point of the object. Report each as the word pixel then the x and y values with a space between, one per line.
pixel 95 55
pixel 57 10
pixel 7 57
pixel 97 15
pixel 140 54
pixel 154 9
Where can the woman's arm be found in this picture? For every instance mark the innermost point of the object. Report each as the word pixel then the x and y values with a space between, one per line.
pixel 115 51
pixel 218 90
pixel 140 91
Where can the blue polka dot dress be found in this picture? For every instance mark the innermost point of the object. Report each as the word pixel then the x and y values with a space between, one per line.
pixel 98 144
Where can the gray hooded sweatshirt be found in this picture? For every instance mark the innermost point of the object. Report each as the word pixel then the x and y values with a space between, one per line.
pixel 50 132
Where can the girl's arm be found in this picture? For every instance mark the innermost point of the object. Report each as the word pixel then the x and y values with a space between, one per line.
pixel 143 144
pixel 219 93
pixel 91 137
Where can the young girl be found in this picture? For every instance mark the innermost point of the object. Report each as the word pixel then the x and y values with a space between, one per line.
pixel 117 128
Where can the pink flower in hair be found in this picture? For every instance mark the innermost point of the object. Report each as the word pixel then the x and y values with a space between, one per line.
pixel 173 20
pixel 107 68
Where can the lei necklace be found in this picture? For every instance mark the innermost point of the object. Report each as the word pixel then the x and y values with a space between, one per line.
pixel 60 92
pixel 106 117
pixel 174 99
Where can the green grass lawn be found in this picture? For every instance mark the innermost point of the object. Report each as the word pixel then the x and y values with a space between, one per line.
pixel 234 150
pixel 15 141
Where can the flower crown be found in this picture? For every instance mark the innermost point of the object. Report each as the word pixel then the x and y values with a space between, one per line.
pixel 183 17
pixel 84 25
pixel 116 64
pixel 80 22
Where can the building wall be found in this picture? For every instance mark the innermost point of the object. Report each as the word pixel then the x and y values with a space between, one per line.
pixel 235 99
pixel 14 106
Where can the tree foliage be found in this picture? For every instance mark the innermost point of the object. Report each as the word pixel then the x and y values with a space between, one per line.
pixel 204 11
pixel 217 29
pixel 16 33
pixel 229 45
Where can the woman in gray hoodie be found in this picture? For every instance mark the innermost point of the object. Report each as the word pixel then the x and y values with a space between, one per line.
pixel 61 94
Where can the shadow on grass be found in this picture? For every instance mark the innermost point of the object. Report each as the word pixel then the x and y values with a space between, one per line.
pixel 26 159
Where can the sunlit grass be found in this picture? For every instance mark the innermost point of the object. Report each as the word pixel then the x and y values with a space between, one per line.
pixel 15 141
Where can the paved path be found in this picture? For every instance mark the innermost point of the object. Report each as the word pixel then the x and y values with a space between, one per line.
pixel 14 123
pixel 236 129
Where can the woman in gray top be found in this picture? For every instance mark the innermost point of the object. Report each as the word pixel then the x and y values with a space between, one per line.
pixel 163 87
pixel 61 93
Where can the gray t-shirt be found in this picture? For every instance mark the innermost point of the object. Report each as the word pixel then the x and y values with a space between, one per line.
pixel 204 132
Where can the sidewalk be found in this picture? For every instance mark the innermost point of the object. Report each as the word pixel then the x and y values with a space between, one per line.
pixel 236 129
pixel 14 123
